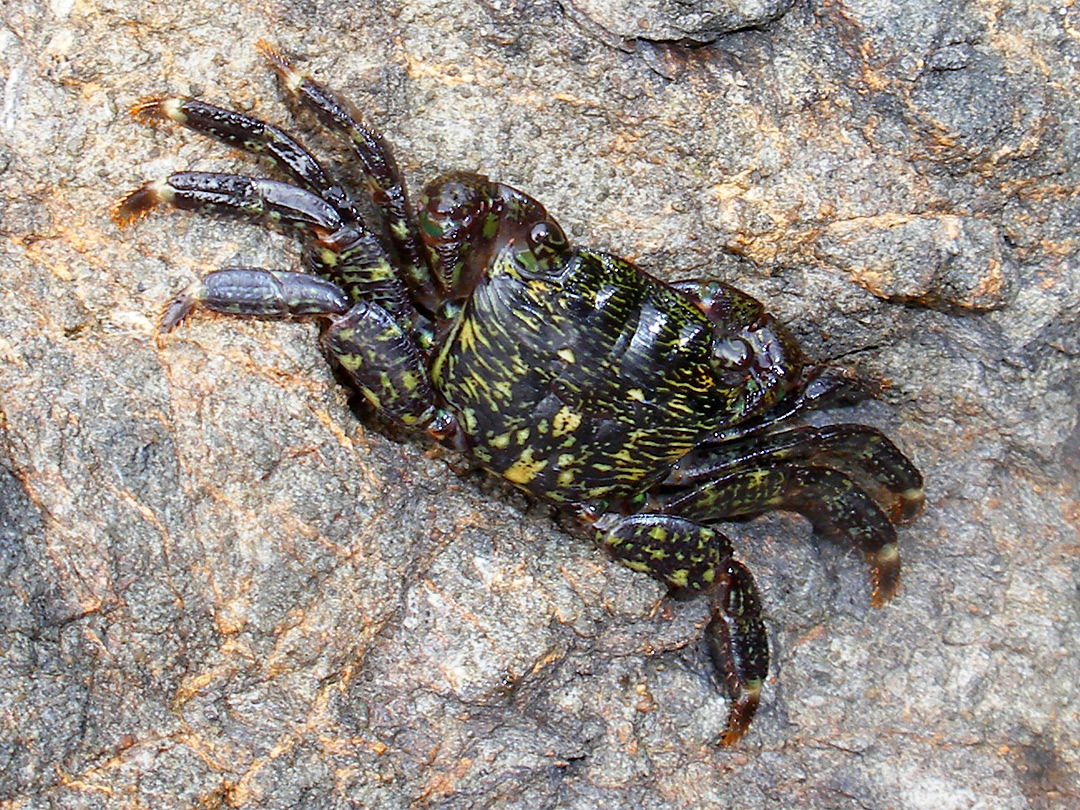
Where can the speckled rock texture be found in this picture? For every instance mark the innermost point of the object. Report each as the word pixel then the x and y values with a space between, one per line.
pixel 220 588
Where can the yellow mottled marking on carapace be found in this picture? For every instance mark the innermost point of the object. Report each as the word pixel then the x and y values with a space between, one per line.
pixel 658 533
pixel 525 469
pixel 350 362
pixel 566 355
pixel 522 436
pixel 636 394
pixel 566 462
pixel 528 323
pixel 466 336
pixel 500 442
pixel 504 388
pixel 682 407
pixel 468 419
pixel 565 421
pixel 480 381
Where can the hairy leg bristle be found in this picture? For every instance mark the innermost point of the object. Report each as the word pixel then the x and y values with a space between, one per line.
pixel 149 109
pixel 180 307
pixel 288 72
pixel 274 56
pixel 885 574
pixel 137 204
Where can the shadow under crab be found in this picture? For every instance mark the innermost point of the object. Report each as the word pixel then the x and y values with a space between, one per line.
pixel 645 411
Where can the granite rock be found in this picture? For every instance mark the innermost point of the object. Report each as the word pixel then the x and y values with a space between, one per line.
pixel 222 589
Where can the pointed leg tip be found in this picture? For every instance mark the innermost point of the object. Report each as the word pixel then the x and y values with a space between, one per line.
pixel 154 109
pixel 744 704
pixel 730 736
pixel 885 575
pixel 179 308
pixel 276 58
pixel 148 109
pixel 268 50
pixel 136 204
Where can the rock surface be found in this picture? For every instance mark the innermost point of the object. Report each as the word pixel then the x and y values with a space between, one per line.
pixel 218 588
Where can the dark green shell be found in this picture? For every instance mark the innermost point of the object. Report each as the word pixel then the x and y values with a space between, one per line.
pixel 586 386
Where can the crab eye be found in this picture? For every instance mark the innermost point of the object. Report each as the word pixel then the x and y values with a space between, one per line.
pixel 545 233
pixel 733 353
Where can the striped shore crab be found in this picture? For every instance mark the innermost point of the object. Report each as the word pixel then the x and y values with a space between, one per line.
pixel 646 412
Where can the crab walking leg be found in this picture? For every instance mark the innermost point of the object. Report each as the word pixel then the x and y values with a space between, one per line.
pixel 739 645
pixel 862 452
pixel 691 558
pixel 365 339
pixel 256 292
pixel 383 176
pixel 820 388
pixel 253 136
pixel 346 253
pixel 269 202
pixel 835 505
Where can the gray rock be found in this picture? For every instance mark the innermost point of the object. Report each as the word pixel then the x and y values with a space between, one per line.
pixel 944 262
pixel 220 588
pixel 677 20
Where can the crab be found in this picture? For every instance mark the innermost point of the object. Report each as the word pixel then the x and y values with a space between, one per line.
pixel 646 412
